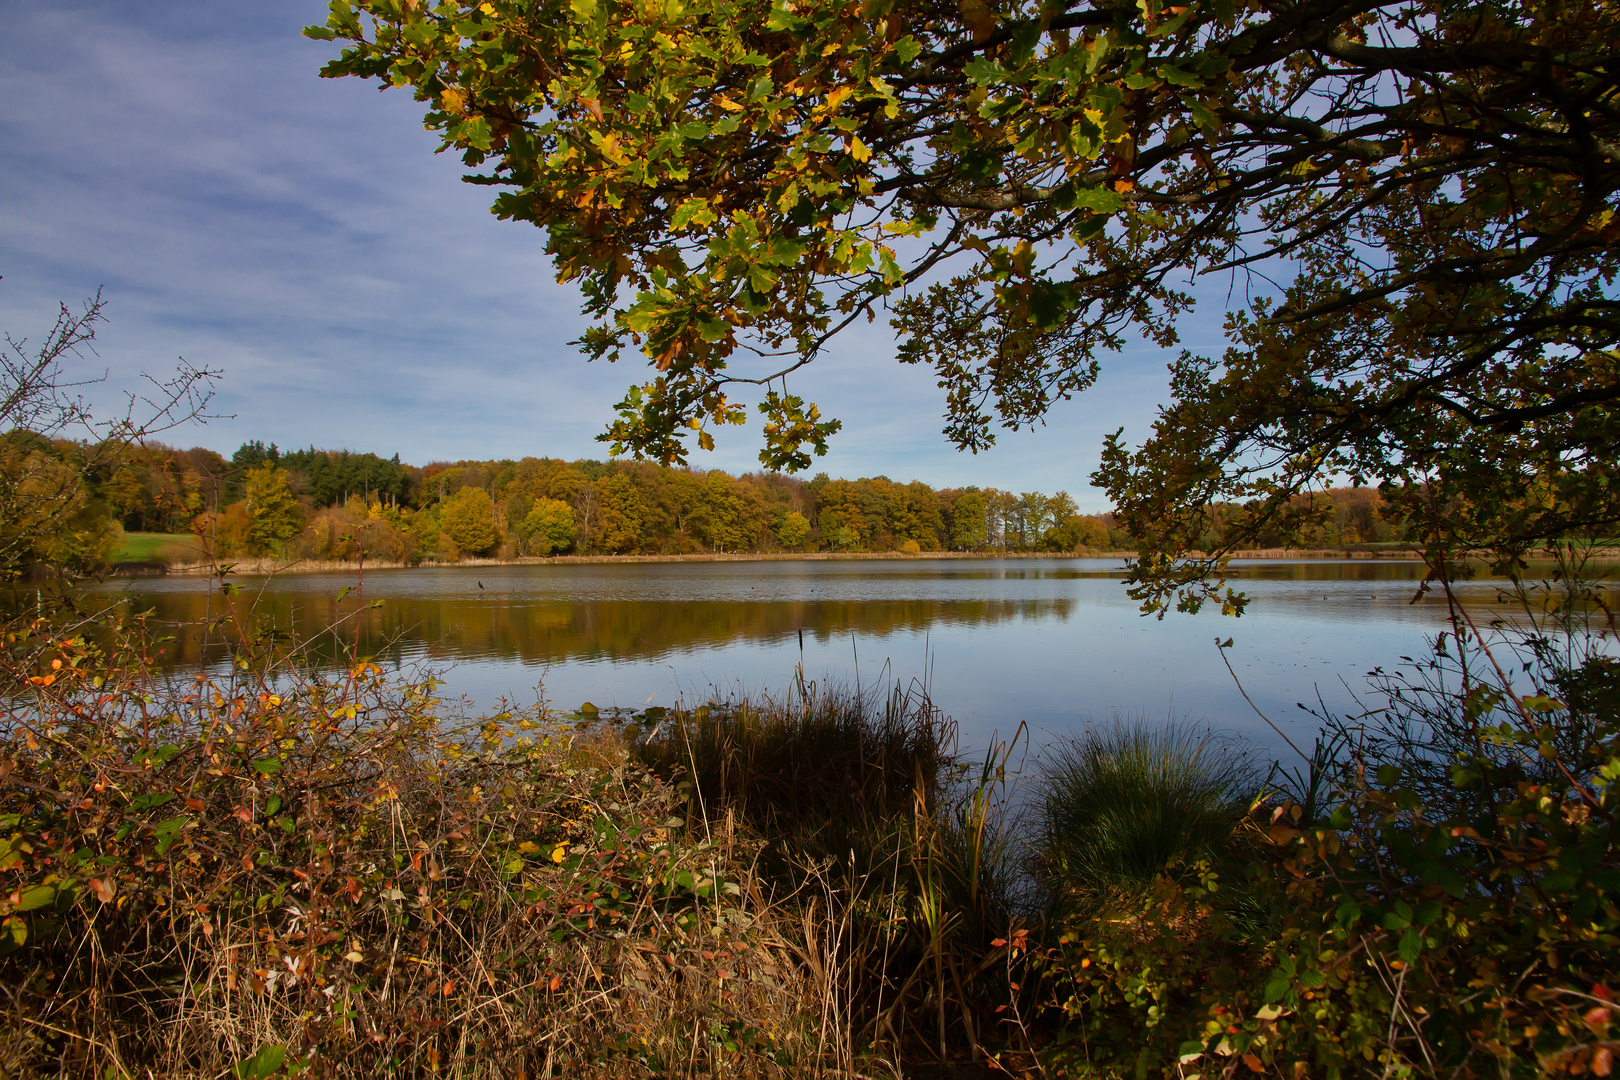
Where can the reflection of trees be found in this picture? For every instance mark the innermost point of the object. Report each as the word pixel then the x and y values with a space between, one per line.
pixel 1306 570
pixel 543 632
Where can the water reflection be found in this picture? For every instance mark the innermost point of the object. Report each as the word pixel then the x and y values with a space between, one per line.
pixel 460 628
pixel 1052 642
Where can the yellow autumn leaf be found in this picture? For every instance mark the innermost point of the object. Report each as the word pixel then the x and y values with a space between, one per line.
pixel 453 100
pixel 559 853
pixel 855 148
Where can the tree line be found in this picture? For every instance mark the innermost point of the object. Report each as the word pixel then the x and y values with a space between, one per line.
pixel 332 504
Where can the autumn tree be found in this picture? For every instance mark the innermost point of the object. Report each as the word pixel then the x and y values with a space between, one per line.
pixel 969 531
pixel 468 518
pixel 795 530
pixel 548 527
pixel 619 514
pixel 273 511
pixel 1430 185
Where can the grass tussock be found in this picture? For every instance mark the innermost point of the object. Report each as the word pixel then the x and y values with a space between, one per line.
pixel 823 772
pixel 1120 804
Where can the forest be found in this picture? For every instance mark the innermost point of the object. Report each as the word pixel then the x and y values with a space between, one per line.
pixel 329 504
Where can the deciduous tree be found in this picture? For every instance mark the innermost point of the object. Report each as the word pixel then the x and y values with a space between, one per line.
pixel 274 514
pixel 1431 186
pixel 548 527
pixel 794 532
pixel 468 518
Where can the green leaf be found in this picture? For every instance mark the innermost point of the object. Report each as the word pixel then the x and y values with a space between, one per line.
pixel 692 210
pixel 167 832
pixel 1099 200
pixel 1178 77
pixel 37 897
pixel 267 1061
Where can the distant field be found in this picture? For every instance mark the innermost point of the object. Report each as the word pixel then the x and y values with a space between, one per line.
pixel 157 547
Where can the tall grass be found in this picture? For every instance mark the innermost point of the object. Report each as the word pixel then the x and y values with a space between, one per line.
pixel 1120 804
pixel 862 800
pixel 820 773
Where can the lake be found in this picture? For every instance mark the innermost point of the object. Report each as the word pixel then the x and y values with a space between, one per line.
pixel 1054 643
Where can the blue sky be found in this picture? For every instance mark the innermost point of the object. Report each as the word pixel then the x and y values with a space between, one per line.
pixel 300 234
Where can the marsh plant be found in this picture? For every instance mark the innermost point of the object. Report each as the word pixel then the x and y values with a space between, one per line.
pixel 1121 804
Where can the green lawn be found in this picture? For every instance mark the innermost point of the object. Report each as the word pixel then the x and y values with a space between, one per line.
pixel 157 547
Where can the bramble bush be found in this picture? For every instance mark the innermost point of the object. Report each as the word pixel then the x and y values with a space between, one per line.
pixel 327 876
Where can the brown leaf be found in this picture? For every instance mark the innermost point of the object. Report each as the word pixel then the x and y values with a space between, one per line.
pixel 979 18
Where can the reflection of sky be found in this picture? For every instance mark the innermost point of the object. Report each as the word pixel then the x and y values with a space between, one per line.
pixel 1053 643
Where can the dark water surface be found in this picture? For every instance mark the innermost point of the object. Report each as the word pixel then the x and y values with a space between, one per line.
pixel 1050 642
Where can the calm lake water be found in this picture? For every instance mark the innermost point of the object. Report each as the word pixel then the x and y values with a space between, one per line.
pixel 1051 642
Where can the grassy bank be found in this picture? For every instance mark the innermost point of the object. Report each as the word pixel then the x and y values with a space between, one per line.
pixel 277 872
pixel 158 549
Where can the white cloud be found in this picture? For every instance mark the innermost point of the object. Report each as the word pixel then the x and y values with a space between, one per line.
pixel 300 234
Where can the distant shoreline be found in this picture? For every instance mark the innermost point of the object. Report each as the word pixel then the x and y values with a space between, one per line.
pixel 263 566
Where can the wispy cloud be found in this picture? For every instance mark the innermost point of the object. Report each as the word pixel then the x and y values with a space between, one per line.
pixel 300 234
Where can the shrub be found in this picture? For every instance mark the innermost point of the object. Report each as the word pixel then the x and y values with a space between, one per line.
pixel 335 876
pixel 1438 896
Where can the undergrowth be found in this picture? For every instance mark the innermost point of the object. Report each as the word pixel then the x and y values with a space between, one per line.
pixel 327 876
pixel 274 868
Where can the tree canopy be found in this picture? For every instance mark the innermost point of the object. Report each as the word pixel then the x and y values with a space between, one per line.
pixel 1415 200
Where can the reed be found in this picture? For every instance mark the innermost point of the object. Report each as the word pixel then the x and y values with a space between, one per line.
pixel 863 800
pixel 820 773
